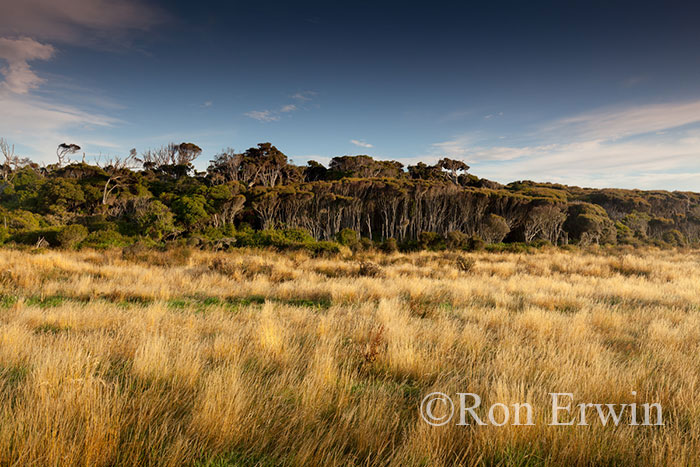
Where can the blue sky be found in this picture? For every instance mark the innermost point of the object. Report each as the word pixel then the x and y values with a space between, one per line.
pixel 603 94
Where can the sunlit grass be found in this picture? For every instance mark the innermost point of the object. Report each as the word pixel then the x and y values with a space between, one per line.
pixel 261 358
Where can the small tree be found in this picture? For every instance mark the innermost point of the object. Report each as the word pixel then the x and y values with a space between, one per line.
pixel 71 235
pixel 117 169
pixel 454 167
pixel 155 220
pixel 494 229
pixel 12 163
pixel 63 151
pixel 546 222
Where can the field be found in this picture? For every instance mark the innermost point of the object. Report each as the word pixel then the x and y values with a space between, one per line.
pixel 262 358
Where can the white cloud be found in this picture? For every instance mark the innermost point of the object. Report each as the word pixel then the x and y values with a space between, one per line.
pixel 634 147
pixel 362 144
pixel 39 126
pixel 19 78
pixel 207 104
pixel 614 123
pixel 271 115
pixel 304 95
pixel 262 115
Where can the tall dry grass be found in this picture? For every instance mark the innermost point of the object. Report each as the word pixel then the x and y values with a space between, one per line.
pixel 258 358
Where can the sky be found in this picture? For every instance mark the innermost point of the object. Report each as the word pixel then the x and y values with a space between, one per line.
pixel 586 93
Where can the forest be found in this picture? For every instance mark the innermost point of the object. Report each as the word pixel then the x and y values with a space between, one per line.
pixel 258 198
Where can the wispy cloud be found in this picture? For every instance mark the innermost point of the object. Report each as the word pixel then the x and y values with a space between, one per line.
pixel 362 144
pixel 39 125
pixel 649 146
pixel 494 115
pixel 615 123
pixel 304 95
pixel 19 77
pixel 207 104
pixel 79 22
pixel 263 115
pixel 273 115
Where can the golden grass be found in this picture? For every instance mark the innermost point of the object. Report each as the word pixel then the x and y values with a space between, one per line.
pixel 259 358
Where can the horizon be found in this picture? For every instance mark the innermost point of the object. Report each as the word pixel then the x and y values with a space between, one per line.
pixel 603 96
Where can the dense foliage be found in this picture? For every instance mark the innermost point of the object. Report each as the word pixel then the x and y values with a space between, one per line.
pixel 258 198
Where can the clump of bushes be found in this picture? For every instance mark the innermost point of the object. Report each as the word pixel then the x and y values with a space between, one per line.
pixel 390 246
pixel 71 235
pixel 285 239
pixel 431 241
pixel 103 239
pixel 475 243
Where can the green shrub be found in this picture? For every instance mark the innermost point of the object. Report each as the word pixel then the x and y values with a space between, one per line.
pixel 456 240
pixel 475 243
pixel 347 237
pixel 518 247
pixel 390 246
pixel 102 239
pixel 431 241
pixel 674 238
pixel 366 244
pixel 324 248
pixel 32 237
pixel 71 235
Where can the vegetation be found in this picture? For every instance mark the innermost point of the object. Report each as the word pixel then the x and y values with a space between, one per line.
pixel 356 202
pixel 184 357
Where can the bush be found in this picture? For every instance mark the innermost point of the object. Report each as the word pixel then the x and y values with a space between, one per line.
pixel 390 246
pixel 366 244
pixel 456 240
pixel 324 248
pixel 495 228
pixel 299 239
pixel 71 235
pixel 102 239
pixel 518 247
pixel 431 241
pixel 475 243
pixel 674 238
pixel 155 220
pixel 4 234
pixel 32 237
pixel 347 237
pixel 589 223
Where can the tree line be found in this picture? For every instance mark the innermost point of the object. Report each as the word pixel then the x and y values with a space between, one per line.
pixel 257 197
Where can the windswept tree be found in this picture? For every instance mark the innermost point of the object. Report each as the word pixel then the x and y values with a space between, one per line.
pixel 364 166
pixel 453 167
pixel 63 152
pixel 171 154
pixel 422 171
pixel 263 165
pixel 494 228
pixel 225 167
pixel 12 162
pixel 117 169
pixel 314 171
pixel 545 222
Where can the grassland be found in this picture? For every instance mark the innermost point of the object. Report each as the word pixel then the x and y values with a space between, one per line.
pixel 261 358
